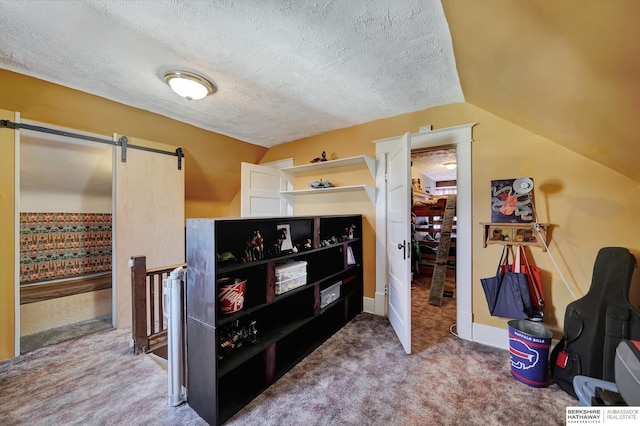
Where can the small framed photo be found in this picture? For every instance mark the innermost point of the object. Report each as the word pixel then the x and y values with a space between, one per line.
pixel 284 237
pixel 497 233
pixel 524 235
pixel 351 259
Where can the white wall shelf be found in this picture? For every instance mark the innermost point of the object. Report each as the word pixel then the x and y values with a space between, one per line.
pixel 537 238
pixel 369 189
pixel 290 172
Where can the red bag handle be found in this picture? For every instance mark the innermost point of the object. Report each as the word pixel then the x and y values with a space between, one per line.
pixel 523 255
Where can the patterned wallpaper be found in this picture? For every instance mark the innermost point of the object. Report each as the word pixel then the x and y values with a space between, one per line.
pixel 63 245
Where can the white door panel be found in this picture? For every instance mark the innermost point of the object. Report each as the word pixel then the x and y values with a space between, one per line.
pixel 260 191
pixel 399 239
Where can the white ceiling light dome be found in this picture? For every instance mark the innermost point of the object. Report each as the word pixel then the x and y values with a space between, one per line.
pixel 189 85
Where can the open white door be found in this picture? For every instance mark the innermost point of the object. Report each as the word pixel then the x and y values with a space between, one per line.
pixel 399 239
pixel 260 188
pixel 461 137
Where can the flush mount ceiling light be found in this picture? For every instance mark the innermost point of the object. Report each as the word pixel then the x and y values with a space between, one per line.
pixel 450 165
pixel 189 85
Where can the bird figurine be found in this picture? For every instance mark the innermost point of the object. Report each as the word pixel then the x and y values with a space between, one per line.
pixel 320 159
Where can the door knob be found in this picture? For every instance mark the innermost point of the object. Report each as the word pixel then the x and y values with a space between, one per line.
pixel 402 246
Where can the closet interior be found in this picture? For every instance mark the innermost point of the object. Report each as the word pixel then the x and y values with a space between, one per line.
pixel 433 180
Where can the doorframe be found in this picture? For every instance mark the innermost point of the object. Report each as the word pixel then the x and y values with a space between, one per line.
pixel 19 133
pixel 461 137
pixel 16 238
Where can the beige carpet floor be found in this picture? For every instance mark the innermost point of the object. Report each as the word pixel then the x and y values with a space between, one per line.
pixel 360 376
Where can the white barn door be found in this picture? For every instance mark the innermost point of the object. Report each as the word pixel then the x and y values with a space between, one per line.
pixel 149 216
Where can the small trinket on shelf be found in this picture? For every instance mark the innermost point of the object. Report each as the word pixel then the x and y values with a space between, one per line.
pixel 321 158
pixel 255 247
pixel 320 184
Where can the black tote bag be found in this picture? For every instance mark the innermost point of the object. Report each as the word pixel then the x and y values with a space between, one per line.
pixel 507 292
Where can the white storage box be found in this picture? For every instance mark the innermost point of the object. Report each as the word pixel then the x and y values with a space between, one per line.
pixel 330 294
pixel 290 275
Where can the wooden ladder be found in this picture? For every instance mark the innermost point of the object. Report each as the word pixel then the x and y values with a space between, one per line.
pixel 440 268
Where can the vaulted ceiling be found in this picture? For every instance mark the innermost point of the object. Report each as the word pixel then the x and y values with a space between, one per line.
pixel 565 69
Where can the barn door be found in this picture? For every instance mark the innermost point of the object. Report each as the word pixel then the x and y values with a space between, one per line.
pixel 149 216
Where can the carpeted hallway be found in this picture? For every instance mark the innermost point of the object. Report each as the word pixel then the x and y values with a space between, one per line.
pixel 360 376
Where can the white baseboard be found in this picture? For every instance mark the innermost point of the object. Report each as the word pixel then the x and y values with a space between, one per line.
pixel 369 305
pixel 491 336
pixel 464 324
pixel 380 304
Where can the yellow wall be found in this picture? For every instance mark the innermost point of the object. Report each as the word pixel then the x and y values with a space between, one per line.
pixel 589 205
pixel 7 239
pixel 212 178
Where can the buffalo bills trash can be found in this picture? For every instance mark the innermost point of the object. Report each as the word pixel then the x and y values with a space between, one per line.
pixel 529 344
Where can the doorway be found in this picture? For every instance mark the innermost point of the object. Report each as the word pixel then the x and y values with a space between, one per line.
pixel 65 259
pixel 433 183
pixel 143 184
pixel 461 137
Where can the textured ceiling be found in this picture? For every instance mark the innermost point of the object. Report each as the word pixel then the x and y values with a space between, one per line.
pixel 566 70
pixel 284 69
pixel 431 162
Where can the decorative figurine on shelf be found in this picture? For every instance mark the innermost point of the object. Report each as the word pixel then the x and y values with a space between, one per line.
pixel 320 184
pixel 259 246
pixel 350 231
pixel 237 334
pixel 320 159
pixel 307 243
pixel 255 247
pixel 226 257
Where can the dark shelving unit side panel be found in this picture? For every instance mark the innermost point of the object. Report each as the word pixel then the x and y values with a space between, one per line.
pixel 200 294
pixel 202 383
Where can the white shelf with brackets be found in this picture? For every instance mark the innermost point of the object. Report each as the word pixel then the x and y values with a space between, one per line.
pixel 290 172
pixel 370 189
